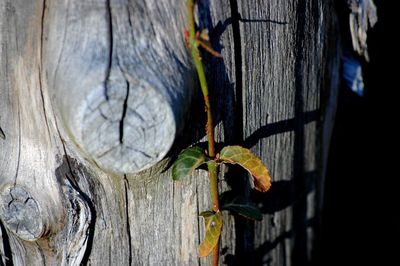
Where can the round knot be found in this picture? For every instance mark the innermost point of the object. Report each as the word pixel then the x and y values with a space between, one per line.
pixel 21 213
pixel 127 126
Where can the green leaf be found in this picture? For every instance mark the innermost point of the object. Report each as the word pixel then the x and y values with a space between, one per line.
pixel 248 160
pixel 188 160
pixel 213 224
pixel 239 205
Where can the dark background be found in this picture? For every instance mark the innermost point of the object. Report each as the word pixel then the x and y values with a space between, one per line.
pixel 361 216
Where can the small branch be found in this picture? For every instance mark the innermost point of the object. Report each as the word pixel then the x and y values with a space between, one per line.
pixel 194 44
pixel 213 175
pixel 212 165
pixel 215 257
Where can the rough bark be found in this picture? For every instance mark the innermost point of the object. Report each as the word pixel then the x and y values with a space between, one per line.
pixel 80 79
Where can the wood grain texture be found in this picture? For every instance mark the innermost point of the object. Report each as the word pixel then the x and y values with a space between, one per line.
pixel 119 76
pixel 274 92
pixel 283 48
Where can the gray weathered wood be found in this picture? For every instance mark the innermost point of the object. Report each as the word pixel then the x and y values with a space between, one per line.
pixel 118 73
pixel 363 15
pixel 68 69
pixel 285 61
pixel 22 213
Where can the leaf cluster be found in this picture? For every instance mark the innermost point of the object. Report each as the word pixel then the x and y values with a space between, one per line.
pixel 192 158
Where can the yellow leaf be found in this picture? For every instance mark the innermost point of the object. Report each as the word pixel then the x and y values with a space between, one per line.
pixel 248 160
pixel 213 223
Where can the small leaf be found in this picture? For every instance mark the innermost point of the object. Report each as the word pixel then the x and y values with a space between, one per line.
pixel 213 224
pixel 188 160
pixel 240 205
pixel 248 160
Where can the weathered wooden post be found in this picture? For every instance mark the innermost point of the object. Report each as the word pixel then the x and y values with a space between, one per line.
pixel 94 92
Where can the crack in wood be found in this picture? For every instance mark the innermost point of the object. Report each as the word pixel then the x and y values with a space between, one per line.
pixel 85 199
pixel 82 219
pixel 41 67
pixel 148 156
pixel 82 199
pixel 19 145
pixel 43 102
pixel 127 217
pixel 110 55
pixel 107 151
pixel 125 107
pixel 2 135
pixel 7 253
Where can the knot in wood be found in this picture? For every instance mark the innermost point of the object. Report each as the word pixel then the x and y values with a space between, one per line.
pixel 21 213
pixel 127 126
pixel 122 88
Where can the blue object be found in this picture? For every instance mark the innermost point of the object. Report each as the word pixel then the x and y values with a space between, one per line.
pixel 352 74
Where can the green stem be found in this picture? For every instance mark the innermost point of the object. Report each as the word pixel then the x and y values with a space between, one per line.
pixel 213 174
pixel 193 42
pixel 212 165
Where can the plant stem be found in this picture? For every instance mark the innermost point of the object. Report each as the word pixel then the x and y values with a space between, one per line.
pixel 193 42
pixel 212 171
pixel 212 165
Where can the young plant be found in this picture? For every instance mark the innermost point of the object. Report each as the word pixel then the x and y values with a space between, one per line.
pixel 193 157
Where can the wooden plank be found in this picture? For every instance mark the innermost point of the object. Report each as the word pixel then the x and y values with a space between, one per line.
pixel 267 34
pixel 282 46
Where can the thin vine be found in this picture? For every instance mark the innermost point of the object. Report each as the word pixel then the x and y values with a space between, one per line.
pixel 193 157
